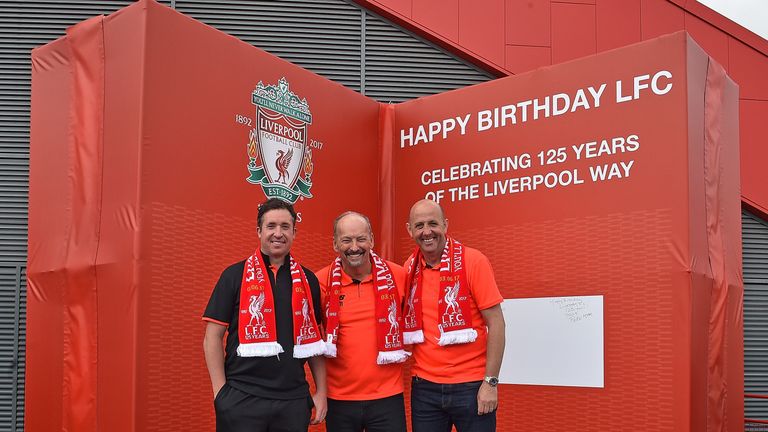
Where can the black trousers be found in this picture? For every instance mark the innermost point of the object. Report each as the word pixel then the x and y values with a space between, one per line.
pixel 378 415
pixel 237 411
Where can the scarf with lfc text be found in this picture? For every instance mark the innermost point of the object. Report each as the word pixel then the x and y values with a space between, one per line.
pixel 453 306
pixel 389 319
pixel 257 331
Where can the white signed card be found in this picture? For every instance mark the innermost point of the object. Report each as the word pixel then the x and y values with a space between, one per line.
pixel 556 341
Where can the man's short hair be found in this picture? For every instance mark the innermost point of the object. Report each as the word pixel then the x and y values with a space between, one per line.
pixel 349 213
pixel 274 204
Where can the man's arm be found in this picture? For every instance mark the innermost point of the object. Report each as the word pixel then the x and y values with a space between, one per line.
pixel 214 355
pixel 487 396
pixel 317 366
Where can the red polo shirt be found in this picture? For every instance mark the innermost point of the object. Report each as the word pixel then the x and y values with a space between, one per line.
pixel 458 363
pixel 354 374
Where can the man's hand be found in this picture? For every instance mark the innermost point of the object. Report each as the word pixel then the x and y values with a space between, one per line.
pixel 317 366
pixel 487 399
pixel 488 396
pixel 214 355
pixel 321 407
pixel 216 389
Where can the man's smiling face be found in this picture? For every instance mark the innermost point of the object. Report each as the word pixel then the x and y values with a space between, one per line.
pixel 428 227
pixel 276 233
pixel 353 241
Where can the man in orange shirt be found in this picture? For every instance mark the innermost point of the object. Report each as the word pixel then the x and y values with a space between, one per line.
pixel 453 319
pixel 361 294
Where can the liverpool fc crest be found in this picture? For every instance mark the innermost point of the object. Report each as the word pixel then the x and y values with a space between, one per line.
pixel 280 160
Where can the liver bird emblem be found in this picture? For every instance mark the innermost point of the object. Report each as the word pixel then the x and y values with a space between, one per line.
pixel 451 292
pixel 255 307
pixel 282 163
pixel 305 311
pixel 394 326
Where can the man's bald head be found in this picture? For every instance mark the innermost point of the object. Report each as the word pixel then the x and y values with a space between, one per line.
pixel 425 205
pixel 351 214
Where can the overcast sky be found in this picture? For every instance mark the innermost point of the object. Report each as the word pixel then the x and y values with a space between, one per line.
pixel 752 14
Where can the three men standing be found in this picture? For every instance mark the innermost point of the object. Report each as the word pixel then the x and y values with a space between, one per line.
pixel 445 303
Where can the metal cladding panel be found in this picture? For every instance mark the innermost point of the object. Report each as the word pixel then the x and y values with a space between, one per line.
pixel 319 35
pixel 338 40
pixel 12 343
pixel 755 244
pixel 400 66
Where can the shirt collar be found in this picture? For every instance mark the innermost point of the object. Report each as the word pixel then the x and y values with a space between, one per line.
pixel 424 264
pixel 346 280
pixel 268 265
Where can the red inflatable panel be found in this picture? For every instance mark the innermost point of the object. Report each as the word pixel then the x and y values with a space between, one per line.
pixel 154 137
pixel 632 194
pixel 141 134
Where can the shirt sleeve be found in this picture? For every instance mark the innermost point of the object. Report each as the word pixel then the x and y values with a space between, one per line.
pixel 222 305
pixel 482 282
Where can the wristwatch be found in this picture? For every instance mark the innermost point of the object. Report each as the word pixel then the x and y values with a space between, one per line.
pixel 491 380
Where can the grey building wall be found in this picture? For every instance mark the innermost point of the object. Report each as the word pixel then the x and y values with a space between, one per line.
pixel 755 252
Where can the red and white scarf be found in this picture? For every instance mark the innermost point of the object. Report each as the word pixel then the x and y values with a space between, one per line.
pixel 389 319
pixel 453 306
pixel 257 331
